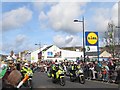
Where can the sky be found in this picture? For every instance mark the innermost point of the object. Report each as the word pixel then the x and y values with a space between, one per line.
pixel 24 24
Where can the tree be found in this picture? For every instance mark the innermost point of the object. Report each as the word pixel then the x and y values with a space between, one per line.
pixel 110 38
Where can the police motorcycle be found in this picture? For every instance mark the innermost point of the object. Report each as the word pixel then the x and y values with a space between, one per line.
pixel 77 75
pixel 58 76
pixel 81 76
pixel 27 77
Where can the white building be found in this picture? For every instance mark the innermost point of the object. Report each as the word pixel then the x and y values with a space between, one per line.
pixel 34 56
pixel 55 53
pixel 71 55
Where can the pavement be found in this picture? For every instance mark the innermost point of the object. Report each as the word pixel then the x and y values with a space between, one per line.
pixel 40 80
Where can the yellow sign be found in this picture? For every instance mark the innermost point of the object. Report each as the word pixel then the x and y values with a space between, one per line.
pixel 92 38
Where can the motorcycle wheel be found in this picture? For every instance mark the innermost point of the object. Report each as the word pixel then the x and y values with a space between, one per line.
pixel 29 84
pixel 53 80
pixel 62 81
pixel 82 79
pixel 72 79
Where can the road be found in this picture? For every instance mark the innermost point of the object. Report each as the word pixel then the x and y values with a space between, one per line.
pixel 40 80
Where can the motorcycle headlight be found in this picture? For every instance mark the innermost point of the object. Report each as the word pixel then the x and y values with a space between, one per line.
pixel 30 74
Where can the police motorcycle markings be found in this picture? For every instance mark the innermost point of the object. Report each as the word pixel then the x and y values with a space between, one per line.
pixel 61 76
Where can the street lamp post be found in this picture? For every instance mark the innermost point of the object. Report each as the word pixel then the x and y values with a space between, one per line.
pixel 83 36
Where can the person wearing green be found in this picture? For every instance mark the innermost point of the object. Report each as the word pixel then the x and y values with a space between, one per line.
pixel 3 71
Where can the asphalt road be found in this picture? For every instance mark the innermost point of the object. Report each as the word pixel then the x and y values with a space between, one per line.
pixel 40 80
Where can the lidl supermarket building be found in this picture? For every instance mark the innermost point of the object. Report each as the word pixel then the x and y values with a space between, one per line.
pixel 53 52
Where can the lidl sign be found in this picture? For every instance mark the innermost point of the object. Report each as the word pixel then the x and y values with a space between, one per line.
pixel 91 38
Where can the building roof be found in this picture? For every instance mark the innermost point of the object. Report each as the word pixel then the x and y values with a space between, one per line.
pixel 105 54
pixel 47 48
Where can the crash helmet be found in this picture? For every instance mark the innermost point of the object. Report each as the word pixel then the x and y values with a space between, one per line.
pixel 26 64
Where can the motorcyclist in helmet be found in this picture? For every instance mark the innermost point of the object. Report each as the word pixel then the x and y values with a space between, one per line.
pixel 25 69
pixel 73 67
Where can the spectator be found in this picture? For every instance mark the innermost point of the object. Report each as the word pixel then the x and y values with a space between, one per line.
pixel 104 73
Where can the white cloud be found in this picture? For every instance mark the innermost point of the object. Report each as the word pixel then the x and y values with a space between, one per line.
pixel 39 6
pixel 103 16
pixel 16 18
pixel 42 16
pixel 101 19
pixel 20 39
pixel 61 16
pixel 114 13
pixel 18 44
pixel 67 41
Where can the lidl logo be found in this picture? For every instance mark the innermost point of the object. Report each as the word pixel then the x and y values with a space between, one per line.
pixel 91 38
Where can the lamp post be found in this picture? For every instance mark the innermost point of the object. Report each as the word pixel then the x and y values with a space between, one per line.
pixel 76 20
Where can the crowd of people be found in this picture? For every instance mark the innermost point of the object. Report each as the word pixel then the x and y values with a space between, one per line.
pixel 13 72
pixel 106 71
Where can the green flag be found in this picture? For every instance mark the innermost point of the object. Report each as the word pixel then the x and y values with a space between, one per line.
pixel 2 73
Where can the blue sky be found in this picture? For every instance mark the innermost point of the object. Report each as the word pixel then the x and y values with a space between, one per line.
pixel 27 23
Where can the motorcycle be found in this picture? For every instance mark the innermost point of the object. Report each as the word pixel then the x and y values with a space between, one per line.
pixel 59 77
pixel 26 81
pixel 78 75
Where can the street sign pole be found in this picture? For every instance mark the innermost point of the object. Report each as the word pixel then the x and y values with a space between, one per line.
pixel 98 49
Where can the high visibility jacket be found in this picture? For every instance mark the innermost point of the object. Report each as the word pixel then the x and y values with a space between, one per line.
pixel 78 67
pixel 73 67
pixel 25 70
pixel 54 67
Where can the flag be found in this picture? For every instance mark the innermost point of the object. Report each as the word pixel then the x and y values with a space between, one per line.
pixel 2 73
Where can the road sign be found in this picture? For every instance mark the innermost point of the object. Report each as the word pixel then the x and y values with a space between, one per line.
pixel 91 38
pixel 88 48
pixel 91 48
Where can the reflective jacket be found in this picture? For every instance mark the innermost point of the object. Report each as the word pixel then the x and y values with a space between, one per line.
pixel 26 70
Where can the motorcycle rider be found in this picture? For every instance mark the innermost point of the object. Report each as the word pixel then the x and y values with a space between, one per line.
pixel 55 69
pixel 73 68
pixel 25 70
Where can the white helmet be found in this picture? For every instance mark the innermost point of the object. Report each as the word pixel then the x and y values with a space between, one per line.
pixel 57 64
pixel 26 64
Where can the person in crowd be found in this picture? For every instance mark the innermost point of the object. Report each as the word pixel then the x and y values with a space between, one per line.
pixel 104 73
pixel 12 75
pixel 86 70
pixel 97 69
